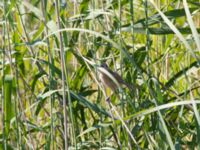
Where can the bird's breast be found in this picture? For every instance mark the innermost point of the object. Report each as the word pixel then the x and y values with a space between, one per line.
pixel 108 82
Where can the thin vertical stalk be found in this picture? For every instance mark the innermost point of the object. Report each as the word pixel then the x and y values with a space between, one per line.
pixel 5 101
pixel 50 77
pixel 3 75
pixel 19 135
pixel 132 21
pixel 73 138
pixel 2 96
pixel 8 35
pixel 17 99
pixel 121 59
pixel 63 76
pixel 147 35
pixel 95 55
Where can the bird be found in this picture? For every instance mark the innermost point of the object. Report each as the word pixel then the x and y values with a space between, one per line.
pixel 111 79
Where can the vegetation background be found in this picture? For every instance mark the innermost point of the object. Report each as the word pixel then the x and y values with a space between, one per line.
pixel 51 97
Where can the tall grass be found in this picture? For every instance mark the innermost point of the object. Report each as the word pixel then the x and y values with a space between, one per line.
pixel 51 95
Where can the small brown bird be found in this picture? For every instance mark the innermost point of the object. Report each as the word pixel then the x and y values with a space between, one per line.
pixel 111 79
